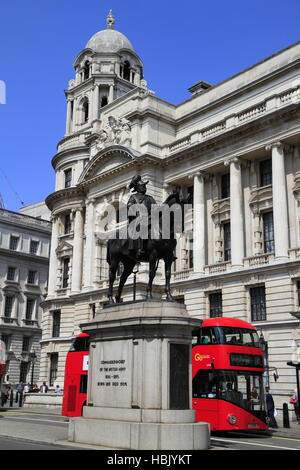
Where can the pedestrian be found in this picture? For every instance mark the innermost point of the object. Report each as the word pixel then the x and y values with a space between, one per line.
pixel 44 388
pixel 27 388
pixel 20 389
pixel 58 390
pixel 270 409
pixel 35 388
pixel 294 401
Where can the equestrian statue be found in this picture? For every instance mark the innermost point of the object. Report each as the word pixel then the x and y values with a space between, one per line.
pixel 144 240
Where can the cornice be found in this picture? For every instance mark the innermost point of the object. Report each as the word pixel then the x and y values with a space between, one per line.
pixel 63 194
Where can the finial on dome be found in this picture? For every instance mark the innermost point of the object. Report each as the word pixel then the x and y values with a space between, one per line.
pixel 110 20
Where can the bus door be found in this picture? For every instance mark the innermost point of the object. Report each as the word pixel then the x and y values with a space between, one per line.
pixel 205 398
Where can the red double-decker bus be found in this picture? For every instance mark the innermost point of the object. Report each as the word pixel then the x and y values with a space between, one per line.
pixel 228 367
pixel 227 371
pixel 2 362
pixel 76 374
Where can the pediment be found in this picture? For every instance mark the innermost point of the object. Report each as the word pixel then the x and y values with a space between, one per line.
pixel 109 159
pixel 64 248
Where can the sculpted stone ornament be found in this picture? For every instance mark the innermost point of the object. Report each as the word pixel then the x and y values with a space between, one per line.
pixel 116 131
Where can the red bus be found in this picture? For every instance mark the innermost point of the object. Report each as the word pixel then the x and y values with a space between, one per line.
pixel 2 362
pixel 76 373
pixel 228 367
pixel 227 370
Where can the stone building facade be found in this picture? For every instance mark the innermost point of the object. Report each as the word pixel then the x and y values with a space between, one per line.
pixel 24 262
pixel 235 146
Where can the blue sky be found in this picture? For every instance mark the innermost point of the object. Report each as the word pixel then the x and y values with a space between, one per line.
pixel 179 43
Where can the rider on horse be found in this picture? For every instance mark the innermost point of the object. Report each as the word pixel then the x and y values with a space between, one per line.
pixel 139 217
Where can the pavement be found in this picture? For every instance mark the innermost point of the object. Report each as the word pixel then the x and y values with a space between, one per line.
pixel 44 428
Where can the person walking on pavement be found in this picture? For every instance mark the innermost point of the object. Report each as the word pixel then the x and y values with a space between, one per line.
pixel 270 409
pixel 20 389
pixel 294 401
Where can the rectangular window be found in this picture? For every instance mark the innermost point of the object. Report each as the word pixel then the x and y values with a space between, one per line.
pixel 30 304
pixel 225 186
pixel 265 168
pixel 11 273
pixel 298 293
pixel 23 371
pixel 53 368
pixel 227 241
pixel 191 254
pixel 258 303
pixel 31 277
pixel 68 177
pixel 8 307
pixel 268 226
pixel 56 324
pixel 215 304
pixel 6 340
pixel 65 280
pixel 13 243
pixel 33 247
pixel 68 224
pixel 26 344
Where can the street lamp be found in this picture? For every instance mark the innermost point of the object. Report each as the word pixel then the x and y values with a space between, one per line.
pixel 33 361
pixel 135 271
pixel 296 364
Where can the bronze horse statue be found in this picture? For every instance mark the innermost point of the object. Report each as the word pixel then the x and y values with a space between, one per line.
pixel 154 249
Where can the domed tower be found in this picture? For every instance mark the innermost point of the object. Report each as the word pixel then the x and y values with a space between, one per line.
pixel 106 69
pixel 108 73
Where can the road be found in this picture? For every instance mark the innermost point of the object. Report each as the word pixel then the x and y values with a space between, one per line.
pixel 21 430
pixel 245 441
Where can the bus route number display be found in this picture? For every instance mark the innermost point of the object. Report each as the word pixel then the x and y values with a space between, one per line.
pixel 112 373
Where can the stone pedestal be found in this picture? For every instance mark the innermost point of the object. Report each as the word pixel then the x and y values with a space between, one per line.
pixel 139 386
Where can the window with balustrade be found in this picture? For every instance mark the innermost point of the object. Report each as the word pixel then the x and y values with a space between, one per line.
pixel 65 272
pixel 227 241
pixel 268 232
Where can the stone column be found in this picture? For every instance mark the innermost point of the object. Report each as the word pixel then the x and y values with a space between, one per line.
pixel 236 212
pixel 95 102
pixel 280 208
pixel 89 244
pixel 68 120
pixel 198 223
pixel 111 94
pixel 53 262
pixel 77 250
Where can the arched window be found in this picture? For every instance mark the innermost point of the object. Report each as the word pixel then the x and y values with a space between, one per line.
pixel 86 70
pixel 126 70
pixel 85 111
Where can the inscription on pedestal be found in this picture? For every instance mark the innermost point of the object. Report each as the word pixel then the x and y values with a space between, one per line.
pixel 113 373
pixel 112 364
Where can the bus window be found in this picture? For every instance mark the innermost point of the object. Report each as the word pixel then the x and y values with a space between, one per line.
pixel 205 385
pixel 208 336
pixel 239 336
pixel 80 344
